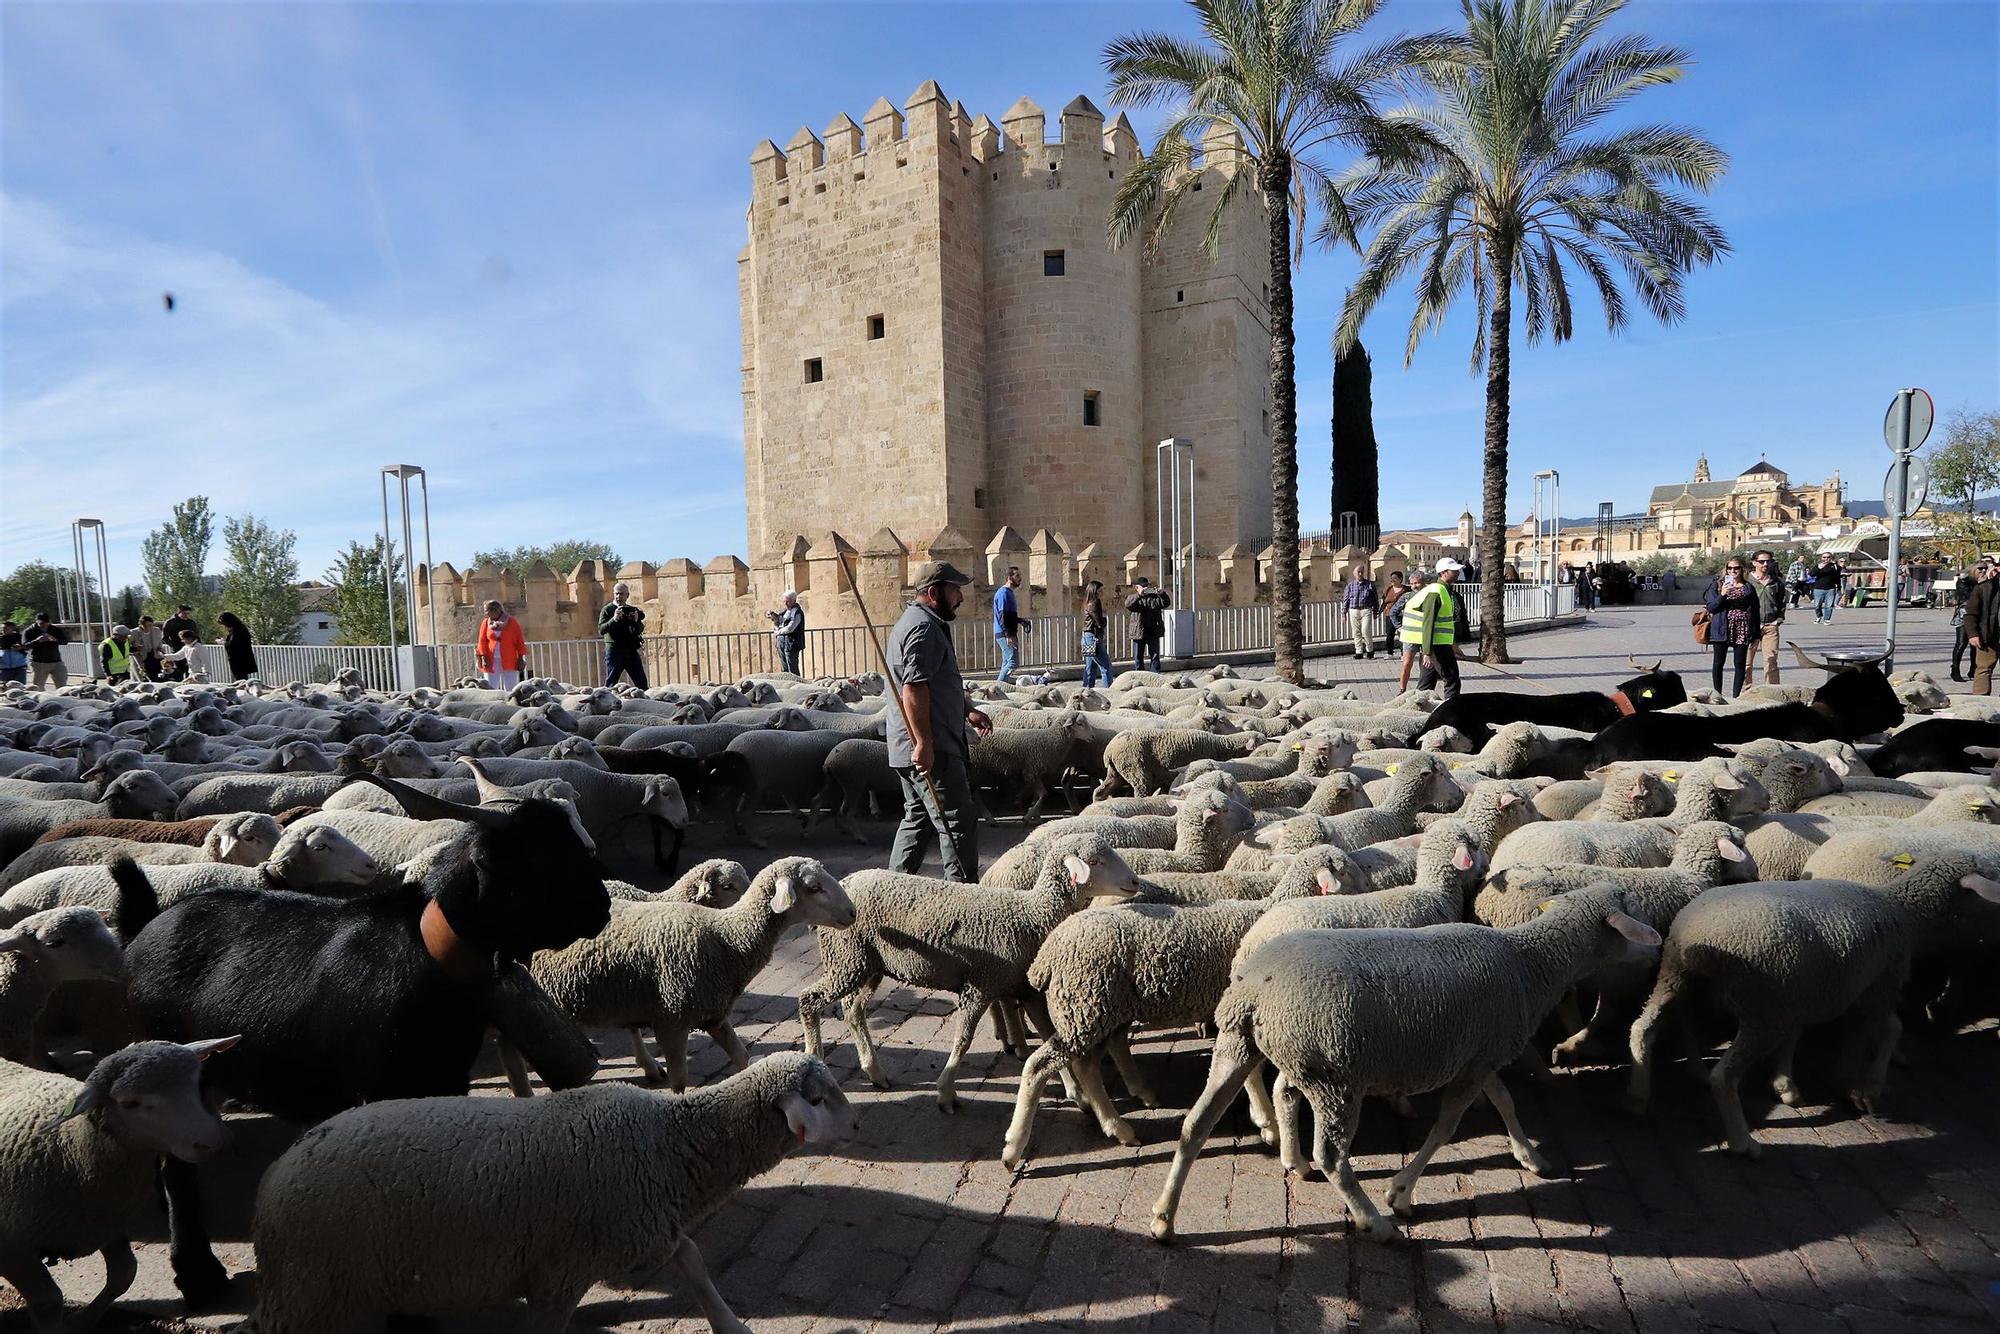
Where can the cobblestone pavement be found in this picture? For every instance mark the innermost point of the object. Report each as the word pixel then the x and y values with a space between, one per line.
pixel 1847 1223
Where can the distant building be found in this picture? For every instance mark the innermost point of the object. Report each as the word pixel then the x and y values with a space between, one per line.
pixel 319 618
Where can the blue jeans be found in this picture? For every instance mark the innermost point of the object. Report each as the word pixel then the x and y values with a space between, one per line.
pixel 1096 661
pixel 1010 656
pixel 1140 648
pixel 1824 600
pixel 624 660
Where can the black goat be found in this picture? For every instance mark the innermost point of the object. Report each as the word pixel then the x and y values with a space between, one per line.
pixel 1478 714
pixel 720 782
pixel 1852 704
pixel 1934 743
pixel 346 1001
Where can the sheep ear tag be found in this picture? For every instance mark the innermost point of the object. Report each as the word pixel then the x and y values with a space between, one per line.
pixel 1902 861
pixel 1672 775
pixel 1391 769
pixel 88 1099
pixel 785 893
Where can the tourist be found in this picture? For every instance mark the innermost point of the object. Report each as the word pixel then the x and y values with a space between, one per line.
pixel 1431 627
pixel 1096 641
pixel 1961 622
pixel 147 637
pixel 1826 588
pixel 114 654
pixel 1149 622
pixel 235 643
pixel 182 619
pixel 624 629
pixel 1361 602
pixel 1007 623
pixel 1394 616
pixel 1732 623
pixel 926 729
pixel 1798 579
pixel 501 648
pixel 181 663
pixel 1770 590
pixel 1983 629
pixel 788 632
pixel 13 656
pixel 44 641
pixel 1390 597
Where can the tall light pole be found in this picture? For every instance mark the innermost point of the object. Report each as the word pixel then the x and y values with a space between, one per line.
pixel 1173 519
pixel 420 669
pixel 80 551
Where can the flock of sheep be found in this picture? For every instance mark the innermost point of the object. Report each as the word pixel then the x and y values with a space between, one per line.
pixel 319 902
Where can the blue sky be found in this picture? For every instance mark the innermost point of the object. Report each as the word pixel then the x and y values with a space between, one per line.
pixel 500 241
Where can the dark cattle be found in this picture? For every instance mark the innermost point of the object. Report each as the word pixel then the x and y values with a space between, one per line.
pixel 1852 704
pixel 346 1001
pixel 1478 714
pixel 1935 743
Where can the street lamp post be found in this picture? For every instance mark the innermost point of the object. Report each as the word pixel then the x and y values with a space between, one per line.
pixel 1173 520
pixel 412 667
pixel 80 552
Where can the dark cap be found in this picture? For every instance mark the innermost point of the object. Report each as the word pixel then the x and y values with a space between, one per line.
pixel 938 572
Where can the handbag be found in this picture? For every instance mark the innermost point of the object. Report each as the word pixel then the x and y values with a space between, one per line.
pixel 1700 626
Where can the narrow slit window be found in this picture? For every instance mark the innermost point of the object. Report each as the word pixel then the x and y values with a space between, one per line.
pixel 815 370
pixel 820 188
pixel 1090 408
pixel 878 327
pixel 1052 263
pixel 1180 295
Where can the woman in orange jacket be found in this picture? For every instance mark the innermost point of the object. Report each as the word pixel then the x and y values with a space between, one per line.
pixel 502 646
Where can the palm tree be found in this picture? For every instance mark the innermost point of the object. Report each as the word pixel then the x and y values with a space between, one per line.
pixel 1504 181
pixel 1264 69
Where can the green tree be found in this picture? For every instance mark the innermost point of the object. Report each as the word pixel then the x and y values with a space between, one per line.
pixel 261 582
pixel 33 587
pixel 360 599
pixel 175 556
pixel 1356 462
pixel 1266 71
pixel 1967 461
pixel 1508 183
pixel 129 605
pixel 562 557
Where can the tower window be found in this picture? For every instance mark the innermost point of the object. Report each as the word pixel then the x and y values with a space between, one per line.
pixel 878 327
pixel 815 370
pixel 820 188
pixel 1052 263
pixel 1180 295
pixel 979 497
pixel 1090 408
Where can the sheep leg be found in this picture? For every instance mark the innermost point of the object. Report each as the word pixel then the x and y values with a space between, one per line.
pixel 516 1068
pixel 41 1292
pixel 1089 1072
pixel 1457 1098
pixel 687 1259
pixel 197 1273
pixel 1285 1110
pixel 725 1037
pixel 854 1009
pixel 1037 792
pixel 674 1046
pixel 1646 1031
pixel 1119 1044
pixel 644 1056
pixel 1782 1084
pixel 1229 1064
pixel 1001 1033
pixel 1525 1152
pixel 1886 1029
pixel 1336 1117
pixel 812 1002
pixel 1035 1076
pixel 1752 1044
pixel 972 1005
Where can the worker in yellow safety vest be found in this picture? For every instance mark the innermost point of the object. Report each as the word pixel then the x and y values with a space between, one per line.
pixel 1430 629
pixel 115 654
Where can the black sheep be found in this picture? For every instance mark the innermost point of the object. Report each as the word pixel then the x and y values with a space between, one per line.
pixel 1478 714
pixel 346 1001
pixel 1852 704
pixel 719 782
pixel 1934 743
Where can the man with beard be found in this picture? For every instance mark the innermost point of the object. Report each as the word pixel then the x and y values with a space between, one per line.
pixel 927 744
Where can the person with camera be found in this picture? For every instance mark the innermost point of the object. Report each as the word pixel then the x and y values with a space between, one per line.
pixel 624 629
pixel 501 648
pixel 1734 623
pixel 788 632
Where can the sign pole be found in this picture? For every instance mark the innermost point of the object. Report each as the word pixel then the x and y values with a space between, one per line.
pixel 1906 427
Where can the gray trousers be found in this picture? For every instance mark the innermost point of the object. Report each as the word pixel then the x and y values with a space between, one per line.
pixel 957 825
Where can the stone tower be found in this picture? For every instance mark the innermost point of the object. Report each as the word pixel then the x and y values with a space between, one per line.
pixel 938 335
pixel 1701 468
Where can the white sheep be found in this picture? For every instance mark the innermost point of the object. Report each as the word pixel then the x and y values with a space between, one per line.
pixel 38 954
pixel 472 1204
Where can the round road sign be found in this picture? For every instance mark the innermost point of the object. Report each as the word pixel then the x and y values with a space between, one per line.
pixel 1917 492
pixel 1922 413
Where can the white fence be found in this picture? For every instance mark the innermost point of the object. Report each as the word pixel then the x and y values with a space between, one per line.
pixel 1055 641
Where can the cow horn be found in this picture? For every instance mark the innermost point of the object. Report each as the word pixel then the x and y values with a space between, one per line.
pixel 1806 658
pixel 1637 666
pixel 420 805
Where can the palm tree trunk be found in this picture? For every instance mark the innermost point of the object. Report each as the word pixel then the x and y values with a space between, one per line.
pixel 1492 588
pixel 1287 623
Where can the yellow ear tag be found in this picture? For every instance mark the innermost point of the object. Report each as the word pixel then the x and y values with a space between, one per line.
pixel 1392 769
pixel 1672 775
pixel 1902 861
pixel 1647 693
pixel 1459 765
pixel 1545 905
